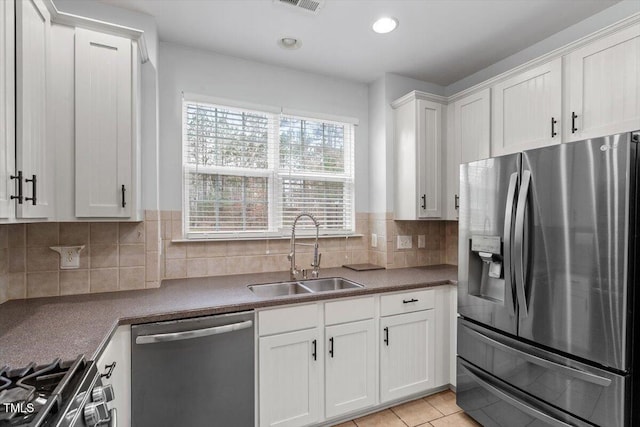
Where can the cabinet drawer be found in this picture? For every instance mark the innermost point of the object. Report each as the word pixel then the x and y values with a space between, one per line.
pixel 406 302
pixel 348 310
pixel 287 319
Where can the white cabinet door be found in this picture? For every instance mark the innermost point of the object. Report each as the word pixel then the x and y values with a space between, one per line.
pixel 104 126
pixel 407 356
pixel 350 374
pixel 290 378
pixel 527 110
pixel 7 108
pixel 470 141
pixel 418 160
pixel 429 159
pixel 33 149
pixel 603 80
pixel 118 351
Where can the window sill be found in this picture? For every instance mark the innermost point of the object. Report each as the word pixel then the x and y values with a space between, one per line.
pixel 253 238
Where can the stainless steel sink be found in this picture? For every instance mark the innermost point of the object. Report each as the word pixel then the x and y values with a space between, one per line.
pixel 329 284
pixel 272 290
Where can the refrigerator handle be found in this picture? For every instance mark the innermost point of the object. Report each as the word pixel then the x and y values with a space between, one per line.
pixel 518 243
pixel 508 215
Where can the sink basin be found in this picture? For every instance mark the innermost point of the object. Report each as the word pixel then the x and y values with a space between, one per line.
pixel 271 290
pixel 329 284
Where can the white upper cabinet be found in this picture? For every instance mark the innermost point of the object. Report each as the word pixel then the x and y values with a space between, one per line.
pixel 472 115
pixel 104 124
pixel 7 108
pixel 470 140
pixel 603 86
pixel 33 148
pixel 418 158
pixel 527 110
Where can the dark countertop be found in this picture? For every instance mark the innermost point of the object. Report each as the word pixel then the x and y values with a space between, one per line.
pixel 41 329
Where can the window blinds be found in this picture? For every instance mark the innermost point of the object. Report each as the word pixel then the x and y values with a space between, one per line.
pixel 249 172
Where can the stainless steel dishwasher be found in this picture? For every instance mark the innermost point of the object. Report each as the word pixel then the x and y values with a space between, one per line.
pixel 194 372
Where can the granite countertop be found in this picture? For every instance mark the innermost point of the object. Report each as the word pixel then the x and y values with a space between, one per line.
pixel 41 329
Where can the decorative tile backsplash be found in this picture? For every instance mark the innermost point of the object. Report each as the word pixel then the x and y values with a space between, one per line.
pixel 126 255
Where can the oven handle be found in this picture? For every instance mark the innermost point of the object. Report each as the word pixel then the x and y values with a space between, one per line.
pixel 198 333
pixel 512 400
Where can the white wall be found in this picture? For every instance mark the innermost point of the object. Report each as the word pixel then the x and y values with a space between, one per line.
pixel 149 83
pixel 575 32
pixel 186 70
pixel 377 147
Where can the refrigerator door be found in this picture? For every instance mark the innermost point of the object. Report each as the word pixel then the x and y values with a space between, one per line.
pixel 592 394
pixel 571 247
pixel 487 208
pixel 494 403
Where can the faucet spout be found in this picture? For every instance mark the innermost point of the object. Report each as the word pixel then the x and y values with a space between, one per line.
pixel 294 271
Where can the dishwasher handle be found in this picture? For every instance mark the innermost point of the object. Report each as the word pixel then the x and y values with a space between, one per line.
pixel 198 333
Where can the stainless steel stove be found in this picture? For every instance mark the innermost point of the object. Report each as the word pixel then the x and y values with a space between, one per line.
pixel 61 394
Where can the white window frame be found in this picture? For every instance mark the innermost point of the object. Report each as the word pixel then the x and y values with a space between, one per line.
pixel 273 172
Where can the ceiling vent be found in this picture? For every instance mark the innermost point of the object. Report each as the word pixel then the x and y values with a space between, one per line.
pixel 312 6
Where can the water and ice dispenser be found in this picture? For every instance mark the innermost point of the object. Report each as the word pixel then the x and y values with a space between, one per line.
pixel 486 272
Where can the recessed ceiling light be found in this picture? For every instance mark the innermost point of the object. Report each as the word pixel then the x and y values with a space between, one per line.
pixel 385 25
pixel 289 43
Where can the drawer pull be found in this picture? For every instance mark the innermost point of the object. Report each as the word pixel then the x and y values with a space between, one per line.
pixel 331 347
pixel 407 301
pixel 314 343
pixel 109 369
pixel 386 336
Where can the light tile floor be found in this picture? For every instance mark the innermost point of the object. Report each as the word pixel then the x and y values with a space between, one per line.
pixel 437 410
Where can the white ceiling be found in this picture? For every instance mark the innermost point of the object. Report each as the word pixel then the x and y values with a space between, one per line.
pixel 439 41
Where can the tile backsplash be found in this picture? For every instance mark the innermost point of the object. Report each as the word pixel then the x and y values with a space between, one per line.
pixel 126 255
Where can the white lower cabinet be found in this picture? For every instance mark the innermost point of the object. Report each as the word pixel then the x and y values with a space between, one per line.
pixel 350 374
pixel 339 359
pixel 118 352
pixel 290 377
pixel 407 354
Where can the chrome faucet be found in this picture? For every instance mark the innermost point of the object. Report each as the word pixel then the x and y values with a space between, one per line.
pixel 293 271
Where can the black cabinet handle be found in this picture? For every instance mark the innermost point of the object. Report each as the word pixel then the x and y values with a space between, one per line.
pixel 553 127
pixel 407 301
pixel 18 177
pixel 314 343
pixel 386 336
pixel 457 202
pixel 331 347
pixel 424 201
pixel 124 203
pixel 574 116
pixel 109 369
pixel 34 182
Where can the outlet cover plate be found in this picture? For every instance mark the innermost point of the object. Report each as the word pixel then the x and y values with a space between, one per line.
pixel 422 241
pixel 404 242
pixel 374 240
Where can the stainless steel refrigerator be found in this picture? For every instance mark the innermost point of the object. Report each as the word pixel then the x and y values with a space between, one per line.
pixel 549 289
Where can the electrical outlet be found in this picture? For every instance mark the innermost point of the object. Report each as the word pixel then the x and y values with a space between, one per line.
pixel 422 241
pixel 374 240
pixel 404 242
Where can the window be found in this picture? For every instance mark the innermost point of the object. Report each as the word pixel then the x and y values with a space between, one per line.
pixel 248 173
